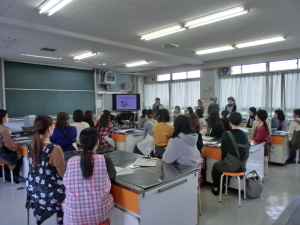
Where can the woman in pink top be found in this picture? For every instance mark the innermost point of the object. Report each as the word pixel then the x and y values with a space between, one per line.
pixel 261 133
pixel 88 200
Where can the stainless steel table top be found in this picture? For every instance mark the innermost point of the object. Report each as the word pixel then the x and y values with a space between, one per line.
pixel 146 177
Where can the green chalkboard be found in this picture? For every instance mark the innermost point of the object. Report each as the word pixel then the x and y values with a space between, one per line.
pixel 79 83
pixel 20 103
pixel 32 76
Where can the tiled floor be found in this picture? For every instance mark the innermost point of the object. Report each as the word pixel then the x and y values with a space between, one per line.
pixel 283 184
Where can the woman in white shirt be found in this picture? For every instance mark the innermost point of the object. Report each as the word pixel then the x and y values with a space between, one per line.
pixel 203 124
pixel 78 117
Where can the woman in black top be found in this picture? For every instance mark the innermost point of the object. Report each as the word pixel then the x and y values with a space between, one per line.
pixel 88 118
pixel 216 124
pixel 224 119
pixel 196 127
pixel 189 111
pixel 252 114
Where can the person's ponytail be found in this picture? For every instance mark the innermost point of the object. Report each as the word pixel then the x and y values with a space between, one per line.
pixel 86 164
pixel 266 127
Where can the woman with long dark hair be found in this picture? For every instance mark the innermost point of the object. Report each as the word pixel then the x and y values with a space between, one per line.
pixel 105 128
pixel 224 119
pixel 45 191
pixel 143 119
pixel 182 146
pixel 262 132
pixel 189 111
pixel 278 121
pixel 87 181
pixel 162 132
pixel 197 128
pixel 216 124
pixel 8 150
pixel 88 118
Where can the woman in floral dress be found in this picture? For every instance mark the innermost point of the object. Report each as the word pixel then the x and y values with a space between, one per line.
pixel 45 190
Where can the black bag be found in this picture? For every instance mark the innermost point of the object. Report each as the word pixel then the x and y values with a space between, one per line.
pixel 254 186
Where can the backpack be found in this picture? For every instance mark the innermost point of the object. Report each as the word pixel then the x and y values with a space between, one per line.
pixel 295 142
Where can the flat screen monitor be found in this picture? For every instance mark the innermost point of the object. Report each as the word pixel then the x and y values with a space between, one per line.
pixel 126 102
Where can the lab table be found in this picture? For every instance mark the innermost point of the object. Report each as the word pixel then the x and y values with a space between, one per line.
pixel 127 138
pixel 164 194
pixel 291 214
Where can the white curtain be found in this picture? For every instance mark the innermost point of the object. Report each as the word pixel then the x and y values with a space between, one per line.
pixel 156 90
pixel 291 92
pixel 258 90
pixel 185 93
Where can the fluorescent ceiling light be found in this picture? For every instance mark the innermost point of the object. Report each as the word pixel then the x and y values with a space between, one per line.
pixel 212 50
pixel 162 32
pixel 260 42
pixel 137 64
pixel 5 41
pixel 222 15
pixel 52 6
pixel 84 55
pixel 39 56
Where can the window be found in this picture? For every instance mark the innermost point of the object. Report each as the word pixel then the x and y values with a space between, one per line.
pixel 193 74
pixel 163 77
pixel 236 70
pixel 178 76
pixel 254 68
pixel 283 65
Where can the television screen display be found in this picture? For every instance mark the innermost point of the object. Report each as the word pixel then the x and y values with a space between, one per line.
pixel 126 102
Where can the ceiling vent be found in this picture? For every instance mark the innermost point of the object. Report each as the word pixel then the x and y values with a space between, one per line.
pixel 170 45
pixel 49 49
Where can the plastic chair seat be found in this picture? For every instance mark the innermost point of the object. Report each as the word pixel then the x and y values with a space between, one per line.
pixel 234 174
pixel 3 174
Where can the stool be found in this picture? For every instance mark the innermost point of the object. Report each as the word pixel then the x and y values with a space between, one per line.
pixel 3 174
pixel 237 175
pixel 297 157
pixel 106 222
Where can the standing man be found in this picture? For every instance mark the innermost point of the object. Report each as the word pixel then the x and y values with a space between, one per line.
pixel 156 106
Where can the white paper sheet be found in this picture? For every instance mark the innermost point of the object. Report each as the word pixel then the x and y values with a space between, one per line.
pixel 122 171
pixel 144 162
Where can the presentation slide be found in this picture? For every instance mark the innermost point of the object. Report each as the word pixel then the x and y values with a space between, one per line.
pixel 125 102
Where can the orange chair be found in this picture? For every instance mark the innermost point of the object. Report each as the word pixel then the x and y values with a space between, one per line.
pixel 105 222
pixel 237 175
pixel 3 174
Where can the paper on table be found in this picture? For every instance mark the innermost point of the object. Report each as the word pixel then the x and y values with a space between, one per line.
pixel 122 171
pixel 144 162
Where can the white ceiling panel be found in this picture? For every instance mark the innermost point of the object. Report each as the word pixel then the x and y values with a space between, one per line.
pixel 20 13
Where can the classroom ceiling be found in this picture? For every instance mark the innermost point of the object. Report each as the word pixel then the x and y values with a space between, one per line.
pixel 113 29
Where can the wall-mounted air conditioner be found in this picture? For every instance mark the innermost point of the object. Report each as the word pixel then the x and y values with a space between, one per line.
pixel 224 71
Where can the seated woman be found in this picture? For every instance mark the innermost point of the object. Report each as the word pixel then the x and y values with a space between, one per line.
pixel 87 181
pixel 162 132
pixel 145 146
pixel 234 156
pixel 8 153
pixel 216 124
pixel 252 114
pixel 278 121
pixel 224 119
pixel 262 130
pixel 65 135
pixel 143 119
pixel 78 118
pixel 182 146
pixel 203 124
pixel 196 127
pixel 176 112
pixel 189 111
pixel 88 118
pixel 105 129
pixel 46 170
